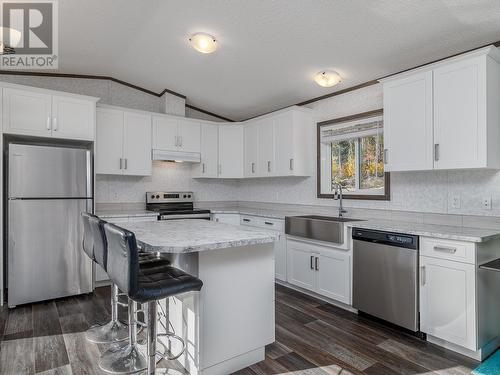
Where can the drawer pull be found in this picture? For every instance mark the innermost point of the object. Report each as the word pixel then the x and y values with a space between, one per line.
pixel 445 249
pixel 422 275
pixel 246 220
pixel 268 223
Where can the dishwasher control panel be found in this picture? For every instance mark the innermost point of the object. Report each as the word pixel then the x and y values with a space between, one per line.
pixel 388 238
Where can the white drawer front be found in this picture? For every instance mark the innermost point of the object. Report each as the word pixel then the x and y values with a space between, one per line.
pixel 263 222
pixel 448 249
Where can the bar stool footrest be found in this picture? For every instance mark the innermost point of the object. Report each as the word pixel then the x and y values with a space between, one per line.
pixel 171 336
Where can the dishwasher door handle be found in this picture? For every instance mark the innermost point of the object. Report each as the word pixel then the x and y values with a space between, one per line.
pixel 422 275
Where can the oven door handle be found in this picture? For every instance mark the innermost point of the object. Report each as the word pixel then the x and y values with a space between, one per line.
pixel 184 216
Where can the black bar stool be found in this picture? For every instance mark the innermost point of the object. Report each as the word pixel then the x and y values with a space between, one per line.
pixel 95 246
pixel 142 285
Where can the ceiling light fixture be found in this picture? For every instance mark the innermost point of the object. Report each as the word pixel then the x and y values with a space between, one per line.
pixel 203 43
pixel 327 78
pixel 9 39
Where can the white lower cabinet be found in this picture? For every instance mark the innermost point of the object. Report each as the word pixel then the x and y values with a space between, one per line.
pixel 233 219
pixel 448 301
pixel 275 225
pixel 323 269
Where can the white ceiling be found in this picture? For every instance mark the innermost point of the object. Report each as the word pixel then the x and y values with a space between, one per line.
pixel 269 50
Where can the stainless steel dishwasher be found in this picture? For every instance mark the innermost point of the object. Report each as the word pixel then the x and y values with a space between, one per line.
pixel 385 276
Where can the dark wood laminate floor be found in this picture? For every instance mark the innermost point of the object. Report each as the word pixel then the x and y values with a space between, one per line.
pixel 312 337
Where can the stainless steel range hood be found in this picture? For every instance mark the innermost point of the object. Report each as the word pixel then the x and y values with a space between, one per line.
pixel 166 155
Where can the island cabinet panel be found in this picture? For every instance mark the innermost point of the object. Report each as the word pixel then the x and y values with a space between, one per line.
pixel 231 320
pixel 209 154
pixel 444 116
pixel 448 301
pixel 323 269
pixel 123 142
pixel 231 151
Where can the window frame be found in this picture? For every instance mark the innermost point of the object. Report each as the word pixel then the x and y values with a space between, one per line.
pixel 386 196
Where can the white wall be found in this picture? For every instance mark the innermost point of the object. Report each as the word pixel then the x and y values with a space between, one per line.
pixel 412 191
pixel 430 191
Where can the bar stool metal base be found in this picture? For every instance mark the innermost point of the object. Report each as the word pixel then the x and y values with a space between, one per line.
pixel 114 331
pixel 123 360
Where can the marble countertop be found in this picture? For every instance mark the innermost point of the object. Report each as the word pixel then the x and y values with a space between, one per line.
pixel 192 235
pixel 125 213
pixel 429 230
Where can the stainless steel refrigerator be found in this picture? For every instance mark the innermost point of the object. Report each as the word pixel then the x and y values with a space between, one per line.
pixel 48 188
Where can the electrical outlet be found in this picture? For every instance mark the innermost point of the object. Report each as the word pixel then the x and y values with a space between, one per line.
pixel 486 203
pixel 456 202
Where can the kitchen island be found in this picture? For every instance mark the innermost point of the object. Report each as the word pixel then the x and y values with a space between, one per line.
pixel 226 325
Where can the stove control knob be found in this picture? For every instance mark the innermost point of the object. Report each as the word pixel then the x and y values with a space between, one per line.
pixel 189 196
pixel 185 196
pixel 157 197
pixel 153 196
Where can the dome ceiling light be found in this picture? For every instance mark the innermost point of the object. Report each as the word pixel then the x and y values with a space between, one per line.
pixel 327 78
pixel 204 43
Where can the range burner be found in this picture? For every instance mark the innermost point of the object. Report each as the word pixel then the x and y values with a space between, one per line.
pixel 174 205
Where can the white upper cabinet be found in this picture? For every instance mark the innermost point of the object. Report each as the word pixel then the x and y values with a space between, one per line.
pixel 136 144
pixel 460 114
pixel 208 167
pixel 27 112
pixel 231 150
pixel 44 113
pixel 266 147
pixel 293 142
pixel 176 134
pixel 189 135
pixel 165 133
pixel 444 116
pixel 408 123
pixel 123 142
pixel 109 141
pixel 251 148
pixel 72 118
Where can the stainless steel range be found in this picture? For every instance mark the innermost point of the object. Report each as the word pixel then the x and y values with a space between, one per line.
pixel 174 205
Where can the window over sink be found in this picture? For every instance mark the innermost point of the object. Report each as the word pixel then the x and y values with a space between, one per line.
pixel 351 153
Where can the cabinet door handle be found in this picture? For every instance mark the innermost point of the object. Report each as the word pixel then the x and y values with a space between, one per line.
pixel 55 123
pixel 180 141
pixel 291 164
pixel 316 264
pixel 312 260
pixel 220 168
pixel 253 167
pixel 386 156
pixel 202 167
pixel 121 163
pixel 48 123
pixel 176 141
pixel 269 166
pixel 126 162
pixel 436 151
pixel 446 249
pixel 422 275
